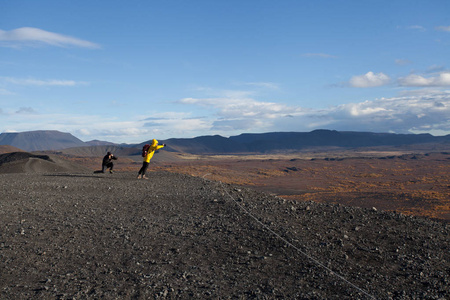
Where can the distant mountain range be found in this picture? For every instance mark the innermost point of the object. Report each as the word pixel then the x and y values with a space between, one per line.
pixel 245 143
pixel 292 141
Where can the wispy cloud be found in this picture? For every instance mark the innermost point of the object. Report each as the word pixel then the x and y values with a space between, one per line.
pixel 40 82
pixel 402 62
pixel 435 69
pixel 5 92
pixel 443 28
pixel 237 108
pixel 267 85
pixel 416 27
pixel 369 79
pixel 320 55
pixel 26 110
pixel 29 36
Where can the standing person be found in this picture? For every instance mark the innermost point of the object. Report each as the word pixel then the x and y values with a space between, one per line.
pixel 107 162
pixel 148 154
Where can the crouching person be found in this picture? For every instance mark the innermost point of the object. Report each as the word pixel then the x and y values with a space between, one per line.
pixel 107 162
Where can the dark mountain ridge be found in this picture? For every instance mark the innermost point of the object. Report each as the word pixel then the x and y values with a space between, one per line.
pixel 205 145
pixel 246 143
pixel 266 142
pixel 291 141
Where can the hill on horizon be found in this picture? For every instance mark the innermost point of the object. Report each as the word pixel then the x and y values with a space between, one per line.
pixel 8 149
pixel 24 162
pixel 40 140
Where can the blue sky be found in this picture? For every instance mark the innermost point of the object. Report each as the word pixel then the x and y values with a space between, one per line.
pixel 130 71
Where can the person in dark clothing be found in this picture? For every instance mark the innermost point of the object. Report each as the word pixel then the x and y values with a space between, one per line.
pixel 107 162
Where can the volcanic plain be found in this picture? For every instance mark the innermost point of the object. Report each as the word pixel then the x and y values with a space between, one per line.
pixel 275 227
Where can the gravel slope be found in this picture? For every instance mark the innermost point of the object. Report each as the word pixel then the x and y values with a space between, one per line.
pixel 89 236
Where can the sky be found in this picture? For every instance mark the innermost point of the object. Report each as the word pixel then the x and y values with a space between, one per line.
pixel 130 71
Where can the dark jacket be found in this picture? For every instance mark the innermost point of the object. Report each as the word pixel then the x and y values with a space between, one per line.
pixel 108 159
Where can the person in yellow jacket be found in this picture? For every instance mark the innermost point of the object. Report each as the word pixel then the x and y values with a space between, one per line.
pixel 147 156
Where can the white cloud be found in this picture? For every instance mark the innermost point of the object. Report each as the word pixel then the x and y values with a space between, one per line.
pixel 442 80
pixel 39 82
pixel 443 28
pixel 362 109
pixel 369 79
pixel 29 36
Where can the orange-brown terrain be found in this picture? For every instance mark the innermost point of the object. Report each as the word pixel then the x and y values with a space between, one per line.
pixel 69 233
pixel 413 184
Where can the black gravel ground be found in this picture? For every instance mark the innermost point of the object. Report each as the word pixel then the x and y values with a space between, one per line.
pixel 111 236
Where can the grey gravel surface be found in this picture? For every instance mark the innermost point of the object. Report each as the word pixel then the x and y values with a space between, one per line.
pixel 111 236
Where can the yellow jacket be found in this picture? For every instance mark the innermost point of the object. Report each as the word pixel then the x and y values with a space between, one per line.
pixel 153 147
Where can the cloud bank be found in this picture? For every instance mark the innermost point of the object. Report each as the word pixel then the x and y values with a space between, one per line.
pixel 428 112
pixel 370 79
pixel 415 112
pixel 439 80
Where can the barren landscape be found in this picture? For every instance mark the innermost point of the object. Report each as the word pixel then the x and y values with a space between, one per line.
pixel 233 229
pixel 413 184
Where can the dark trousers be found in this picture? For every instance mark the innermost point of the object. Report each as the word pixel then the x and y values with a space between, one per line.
pixel 144 168
pixel 106 166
